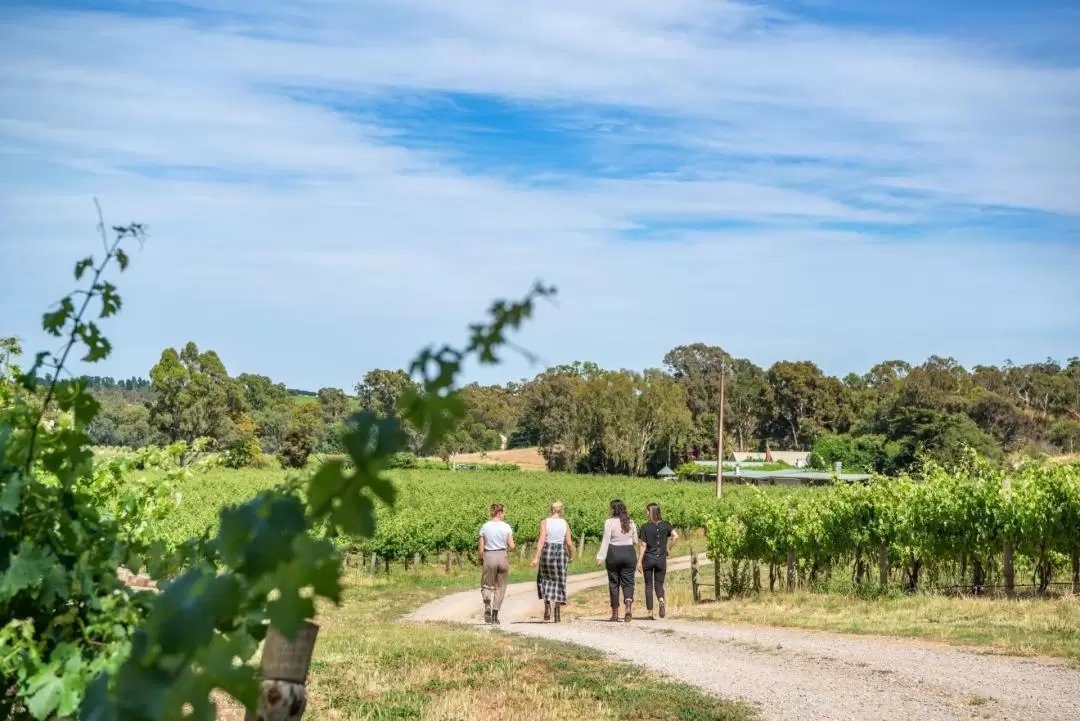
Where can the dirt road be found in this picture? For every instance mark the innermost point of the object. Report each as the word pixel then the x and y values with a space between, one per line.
pixel 790 674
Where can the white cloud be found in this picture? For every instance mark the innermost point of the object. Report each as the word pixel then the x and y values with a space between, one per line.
pixel 316 225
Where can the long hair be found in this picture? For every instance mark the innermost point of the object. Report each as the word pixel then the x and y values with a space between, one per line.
pixel 618 510
pixel 653 509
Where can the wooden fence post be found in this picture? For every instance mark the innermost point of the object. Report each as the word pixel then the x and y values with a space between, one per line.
pixel 1008 570
pixel 694 587
pixel 790 570
pixel 883 567
pixel 285 667
pixel 1076 571
pixel 716 579
pixel 374 563
pixel 581 548
pixel 757 577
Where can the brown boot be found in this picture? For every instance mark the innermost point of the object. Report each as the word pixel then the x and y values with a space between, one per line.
pixel 614 613
pixel 629 613
pixel 547 611
pixel 558 615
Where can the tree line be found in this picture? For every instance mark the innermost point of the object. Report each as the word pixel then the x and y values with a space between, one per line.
pixel 589 419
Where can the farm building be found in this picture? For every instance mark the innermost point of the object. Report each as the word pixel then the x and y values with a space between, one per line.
pixel 785 477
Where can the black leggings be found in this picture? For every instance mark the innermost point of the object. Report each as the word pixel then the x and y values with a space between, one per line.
pixel 655 572
pixel 621 562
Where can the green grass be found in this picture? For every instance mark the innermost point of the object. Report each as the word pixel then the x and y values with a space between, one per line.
pixel 369 666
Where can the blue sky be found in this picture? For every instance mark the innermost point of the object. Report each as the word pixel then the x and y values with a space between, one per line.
pixel 331 185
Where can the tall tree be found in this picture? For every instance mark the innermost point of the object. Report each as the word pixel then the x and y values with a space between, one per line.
pixel 195 397
pixel 805 402
pixel 269 406
pixel 381 390
pixel 334 404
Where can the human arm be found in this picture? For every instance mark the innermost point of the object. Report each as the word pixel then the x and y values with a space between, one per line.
pixel 510 545
pixel 480 548
pixel 570 542
pixel 602 553
pixel 540 543
pixel 674 541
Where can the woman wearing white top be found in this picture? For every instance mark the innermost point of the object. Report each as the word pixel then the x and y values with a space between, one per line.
pixel 617 553
pixel 553 552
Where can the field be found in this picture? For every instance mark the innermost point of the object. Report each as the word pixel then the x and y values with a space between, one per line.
pixel 440 511
pixel 528 459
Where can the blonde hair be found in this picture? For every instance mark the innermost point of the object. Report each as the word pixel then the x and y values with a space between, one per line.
pixel 557 508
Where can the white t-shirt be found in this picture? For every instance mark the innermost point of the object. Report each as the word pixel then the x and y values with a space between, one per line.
pixel 496 535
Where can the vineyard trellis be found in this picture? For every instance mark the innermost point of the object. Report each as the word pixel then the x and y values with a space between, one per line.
pixel 974 526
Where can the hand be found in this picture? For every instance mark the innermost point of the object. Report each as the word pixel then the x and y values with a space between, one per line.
pixel 535 562
pixel 640 569
pixel 599 562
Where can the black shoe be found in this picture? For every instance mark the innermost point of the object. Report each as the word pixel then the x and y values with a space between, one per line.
pixel 495 618
pixel 663 608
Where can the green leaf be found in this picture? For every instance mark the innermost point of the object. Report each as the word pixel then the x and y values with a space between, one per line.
pixel 11 494
pixel 289 610
pixel 82 265
pixel 98 346
pixel 122 258
pixel 355 514
pixel 326 483
pixel 27 568
pixel 45 690
pixel 53 323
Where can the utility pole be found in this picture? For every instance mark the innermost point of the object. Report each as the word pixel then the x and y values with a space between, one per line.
pixel 720 438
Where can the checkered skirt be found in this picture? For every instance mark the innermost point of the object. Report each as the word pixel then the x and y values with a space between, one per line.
pixel 551 578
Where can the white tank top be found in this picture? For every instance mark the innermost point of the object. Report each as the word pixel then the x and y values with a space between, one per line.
pixel 556 531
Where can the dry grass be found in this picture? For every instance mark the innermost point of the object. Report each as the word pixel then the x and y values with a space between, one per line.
pixel 528 459
pixel 369 666
pixel 1046 627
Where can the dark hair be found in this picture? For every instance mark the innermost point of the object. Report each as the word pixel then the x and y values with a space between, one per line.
pixel 653 509
pixel 618 510
pixel 496 509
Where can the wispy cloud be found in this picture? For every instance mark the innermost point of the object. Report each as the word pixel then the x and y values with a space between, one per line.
pixel 333 183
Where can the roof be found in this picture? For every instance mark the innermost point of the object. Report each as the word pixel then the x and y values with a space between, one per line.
pixel 665 472
pixel 791 457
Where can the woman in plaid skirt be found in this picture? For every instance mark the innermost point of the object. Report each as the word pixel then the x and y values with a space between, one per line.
pixel 553 552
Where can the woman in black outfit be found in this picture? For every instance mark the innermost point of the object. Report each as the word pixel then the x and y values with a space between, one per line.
pixel 617 553
pixel 652 560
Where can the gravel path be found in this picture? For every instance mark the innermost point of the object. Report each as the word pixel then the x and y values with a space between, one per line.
pixel 790 674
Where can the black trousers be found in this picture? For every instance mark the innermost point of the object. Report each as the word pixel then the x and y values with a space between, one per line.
pixel 655 572
pixel 621 562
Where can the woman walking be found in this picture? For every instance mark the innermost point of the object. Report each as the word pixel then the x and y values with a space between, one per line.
pixel 553 552
pixel 617 553
pixel 652 561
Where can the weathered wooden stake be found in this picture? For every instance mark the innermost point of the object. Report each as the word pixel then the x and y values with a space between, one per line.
pixel 284 674
pixel 695 589
pixel 374 564
pixel 883 567
pixel 449 559
pixel 790 570
pixel 717 593
pixel 757 577
pixel 417 560
pixel 1076 571
pixel 1009 571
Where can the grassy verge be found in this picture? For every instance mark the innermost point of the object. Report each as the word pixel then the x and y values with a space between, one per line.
pixel 1049 627
pixel 369 666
